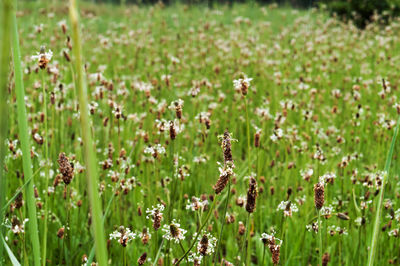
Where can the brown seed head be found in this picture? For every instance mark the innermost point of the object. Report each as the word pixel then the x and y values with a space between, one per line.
pixel 203 245
pixel 142 259
pixel 319 195
pixel 66 168
pixel 251 195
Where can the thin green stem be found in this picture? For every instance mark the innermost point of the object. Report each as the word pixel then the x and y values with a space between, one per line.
pixel 89 154
pixel 320 237
pixel 5 15
pixel 198 231
pixel 248 137
pixel 46 158
pixel 223 223
pixel 158 253
pixel 248 251
pixel 25 145
pixel 375 235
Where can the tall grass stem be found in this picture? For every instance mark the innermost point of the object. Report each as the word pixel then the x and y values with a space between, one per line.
pixel 89 153
pixel 5 15
pixel 33 231
pixel 375 234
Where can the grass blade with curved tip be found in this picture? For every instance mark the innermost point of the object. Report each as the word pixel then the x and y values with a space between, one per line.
pixel 89 154
pixel 375 233
pixel 33 231
pixel 11 255
pixel 5 13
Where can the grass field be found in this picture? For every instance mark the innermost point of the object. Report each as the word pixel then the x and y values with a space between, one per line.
pixel 247 135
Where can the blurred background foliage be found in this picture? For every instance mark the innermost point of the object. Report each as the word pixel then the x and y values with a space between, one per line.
pixel 361 12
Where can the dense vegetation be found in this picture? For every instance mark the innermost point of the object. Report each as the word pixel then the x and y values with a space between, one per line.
pixel 244 135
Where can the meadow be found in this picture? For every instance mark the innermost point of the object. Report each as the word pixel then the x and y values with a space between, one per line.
pixel 161 135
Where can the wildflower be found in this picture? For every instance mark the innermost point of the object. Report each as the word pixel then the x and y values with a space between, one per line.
pixel 242 228
pixel 359 221
pixel 313 227
pixel 206 244
pixel 257 138
pixel 225 174
pixel 124 235
pixel 273 246
pixel 195 258
pixel 242 84
pixel 394 233
pixel 174 232
pixel 197 204
pixel 16 226
pixel 307 174
pixel 251 195
pixel 325 259
pixel 326 211
pixel 226 147
pixel 145 236
pixel 66 168
pixel 319 195
pixel 177 106
pixel 155 150
pixel 63 25
pixel 43 57
pixel 142 259
pixel 327 178
pixel 156 214
pixel 19 202
pixel 288 208
pixel 60 233
pixel 397 215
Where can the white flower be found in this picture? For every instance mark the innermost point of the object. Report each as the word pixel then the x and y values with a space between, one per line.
pixel 196 204
pixel 242 83
pixel 326 210
pixel 174 232
pixel 394 232
pixel 158 209
pixel 155 150
pixel 358 221
pixel 124 235
pixel 206 244
pixel 18 227
pixel 194 257
pixel 312 227
pixel 47 55
pixel 307 174
pixel 287 207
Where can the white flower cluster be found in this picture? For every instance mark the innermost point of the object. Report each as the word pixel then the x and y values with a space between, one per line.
pixel 150 212
pixel 123 235
pixel 212 243
pixel 154 150
pixel 327 178
pixel 333 229
pixel 174 232
pixel 238 83
pixel 326 211
pixel 288 208
pixel 306 174
pixel 39 55
pixel 196 204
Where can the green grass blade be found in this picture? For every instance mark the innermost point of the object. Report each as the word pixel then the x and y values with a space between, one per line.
pixel 375 235
pixel 5 15
pixel 5 206
pixel 33 231
pixel 89 153
pixel 11 255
